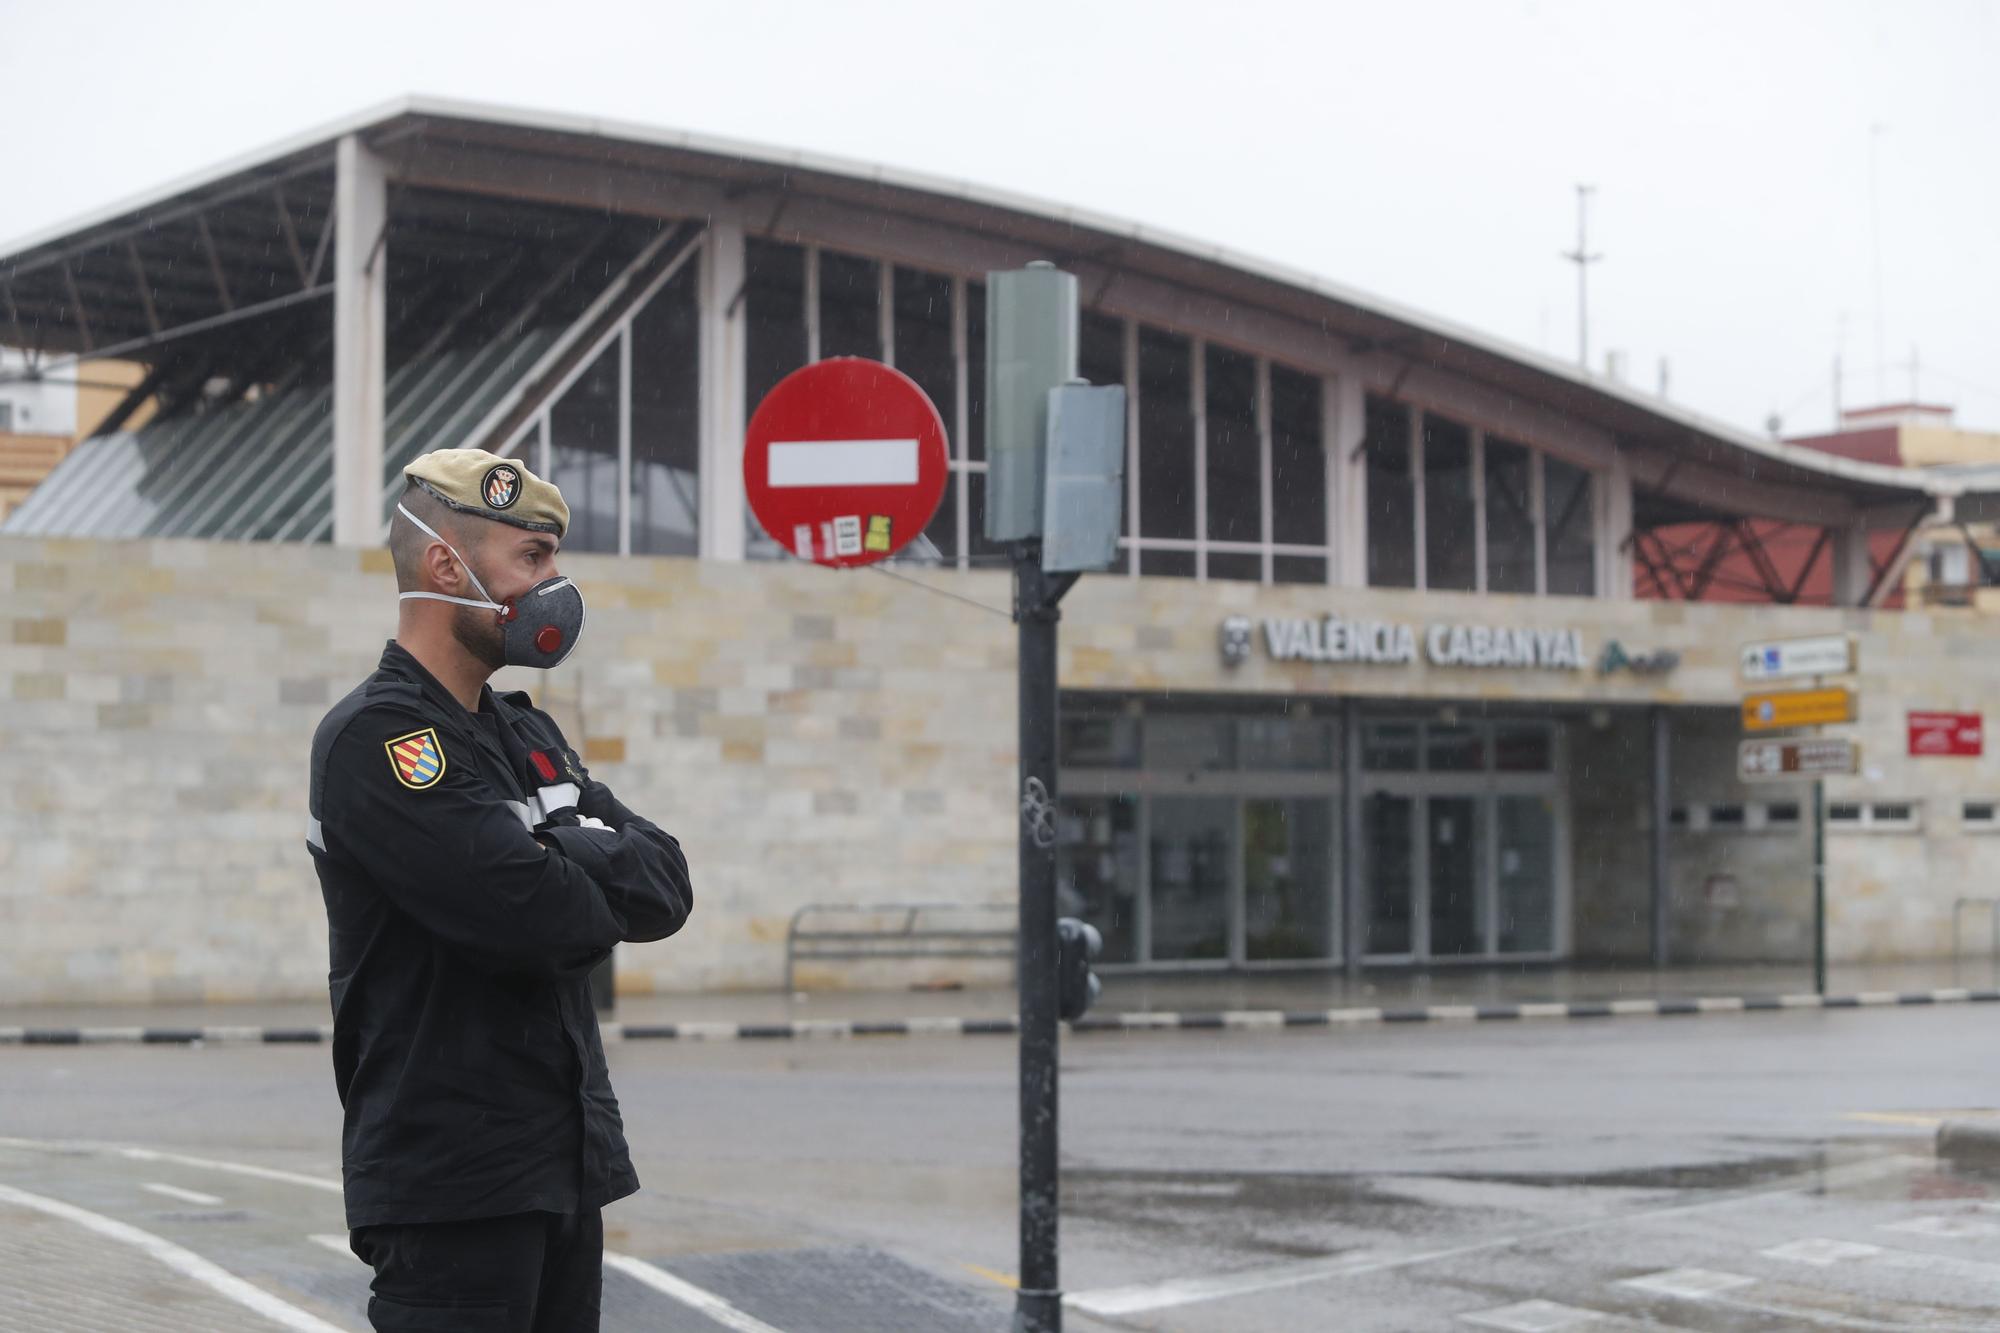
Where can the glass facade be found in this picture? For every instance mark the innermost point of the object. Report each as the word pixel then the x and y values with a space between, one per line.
pixel 1451 548
pixel 1204 838
pixel 1510 516
pixel 1231 474
pixel 666 422
pixel 1392 496
pixel 1485 514
pixel 583 454
pixel 1571 529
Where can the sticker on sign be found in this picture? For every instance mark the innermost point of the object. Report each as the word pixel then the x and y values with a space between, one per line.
pixel 1826 655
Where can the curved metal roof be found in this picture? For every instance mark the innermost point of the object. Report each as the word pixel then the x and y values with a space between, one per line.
pixel 596 142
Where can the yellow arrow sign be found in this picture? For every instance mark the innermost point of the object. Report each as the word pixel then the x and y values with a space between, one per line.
pixel 1797 708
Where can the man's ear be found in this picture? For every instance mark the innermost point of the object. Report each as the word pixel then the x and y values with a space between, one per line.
pixel 441 567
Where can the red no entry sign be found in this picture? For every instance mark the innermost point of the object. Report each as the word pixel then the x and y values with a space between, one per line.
pixel 844 462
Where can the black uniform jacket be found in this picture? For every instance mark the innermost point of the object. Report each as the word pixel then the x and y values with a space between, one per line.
pixel 465 1048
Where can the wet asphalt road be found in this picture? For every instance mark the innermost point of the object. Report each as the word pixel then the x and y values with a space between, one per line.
pixel 1727 1172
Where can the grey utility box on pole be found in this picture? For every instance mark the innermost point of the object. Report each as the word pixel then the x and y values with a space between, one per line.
pixel 1085 493
pixel 1031 321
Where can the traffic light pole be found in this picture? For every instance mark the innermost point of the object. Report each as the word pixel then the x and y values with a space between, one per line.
pixel 1037 595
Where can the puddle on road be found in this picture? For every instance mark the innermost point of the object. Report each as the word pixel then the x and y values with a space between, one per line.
pixel 1285 1216
pixel 1317 1215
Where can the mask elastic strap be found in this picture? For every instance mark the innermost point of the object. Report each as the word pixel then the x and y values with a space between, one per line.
pixel 438 596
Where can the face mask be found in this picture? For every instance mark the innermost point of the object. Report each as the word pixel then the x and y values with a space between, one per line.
pixel 540 628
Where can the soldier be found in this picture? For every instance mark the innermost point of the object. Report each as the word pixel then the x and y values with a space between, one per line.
pixel 474 873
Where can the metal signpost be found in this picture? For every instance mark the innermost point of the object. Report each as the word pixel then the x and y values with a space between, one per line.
pixel 844 463
pixel 1056 450
pixel 1783 760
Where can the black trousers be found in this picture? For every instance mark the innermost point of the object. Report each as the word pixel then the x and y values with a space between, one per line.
pixel 528 1273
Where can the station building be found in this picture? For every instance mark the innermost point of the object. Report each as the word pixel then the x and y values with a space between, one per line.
pixel 1409 658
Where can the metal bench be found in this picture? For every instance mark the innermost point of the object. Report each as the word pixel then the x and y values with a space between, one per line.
pixel 863 931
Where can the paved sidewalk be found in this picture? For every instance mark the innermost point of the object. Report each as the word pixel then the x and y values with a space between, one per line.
pixel 1183 994
pixel 54 1275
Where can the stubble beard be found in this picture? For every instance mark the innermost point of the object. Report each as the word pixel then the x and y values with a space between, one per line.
pixel 479 633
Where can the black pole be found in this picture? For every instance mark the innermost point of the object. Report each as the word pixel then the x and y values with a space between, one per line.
pixel 1354 923
pixel 1819 885
pixel 1038 1306
pixel 1658 873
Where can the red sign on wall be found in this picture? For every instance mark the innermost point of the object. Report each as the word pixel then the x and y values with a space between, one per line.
pixel 1947 734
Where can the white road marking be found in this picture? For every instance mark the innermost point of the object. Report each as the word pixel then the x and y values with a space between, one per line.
pixel 338 1244
pixel 1142 1297
pixel 183 1261
pixel 1694 1284
pixel 185 1196
pixel 1944 1228
pixel 1828 1253
pixel 1821 1252
pixel 1712 1288
pixel 234 1168
pixel 706 1302
pixel 1532 1317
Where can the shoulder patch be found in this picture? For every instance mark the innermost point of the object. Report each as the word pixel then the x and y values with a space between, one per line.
pixel 417 759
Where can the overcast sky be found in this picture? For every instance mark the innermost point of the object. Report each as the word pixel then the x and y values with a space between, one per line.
pixel 1425 152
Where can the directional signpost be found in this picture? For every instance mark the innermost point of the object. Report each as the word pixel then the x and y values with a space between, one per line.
pixel 1790 659
pixel 1781 759
pixel 1781 709
pixel 1787 761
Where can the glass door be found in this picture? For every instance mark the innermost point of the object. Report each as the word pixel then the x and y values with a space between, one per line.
pixel 1097 870
pixel 1288 859
pixel 1525 872
pixel 1192 851
pixel 1457 921
pixel 1388 873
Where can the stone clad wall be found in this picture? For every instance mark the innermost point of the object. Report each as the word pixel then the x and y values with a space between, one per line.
pixel 813 736
pixel 809 736
pixel 1890 895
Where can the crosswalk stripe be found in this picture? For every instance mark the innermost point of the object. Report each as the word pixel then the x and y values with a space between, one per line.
pixel 185 1196
pixel 687 1293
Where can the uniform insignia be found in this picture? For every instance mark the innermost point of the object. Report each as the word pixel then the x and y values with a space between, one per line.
pixel 417 759
pixel 501 486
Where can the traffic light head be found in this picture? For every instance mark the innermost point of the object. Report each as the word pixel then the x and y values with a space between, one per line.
pixel 1077 946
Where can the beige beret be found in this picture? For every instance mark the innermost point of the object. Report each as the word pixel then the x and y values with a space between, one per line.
pixel 473 481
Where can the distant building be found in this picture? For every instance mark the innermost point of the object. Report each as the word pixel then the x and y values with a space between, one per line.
pixel 43 416
pixel 1945 566
pixel 1403 663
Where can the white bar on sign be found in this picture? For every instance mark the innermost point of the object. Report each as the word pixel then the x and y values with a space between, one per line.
pixel 843 463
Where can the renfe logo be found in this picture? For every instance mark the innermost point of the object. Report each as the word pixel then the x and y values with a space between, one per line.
pixel 1958 735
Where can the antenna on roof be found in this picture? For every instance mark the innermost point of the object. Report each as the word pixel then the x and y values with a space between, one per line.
pixel 1582 258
